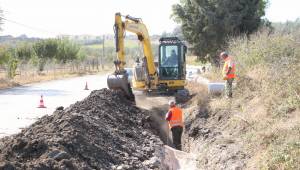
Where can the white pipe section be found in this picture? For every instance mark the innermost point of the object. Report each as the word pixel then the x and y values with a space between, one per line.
pixel 214 88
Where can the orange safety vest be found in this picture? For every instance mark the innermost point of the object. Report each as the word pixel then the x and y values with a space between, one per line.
pixel 229 62
pixel 176 119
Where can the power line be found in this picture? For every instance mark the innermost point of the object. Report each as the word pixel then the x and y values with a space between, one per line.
pixel 27 26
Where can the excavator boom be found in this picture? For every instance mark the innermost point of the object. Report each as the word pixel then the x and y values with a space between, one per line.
pixel 119 80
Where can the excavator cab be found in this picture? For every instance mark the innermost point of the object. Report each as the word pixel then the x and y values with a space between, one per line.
pixel 171 62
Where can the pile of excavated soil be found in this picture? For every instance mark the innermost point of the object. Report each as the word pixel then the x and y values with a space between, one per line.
pixel 104 131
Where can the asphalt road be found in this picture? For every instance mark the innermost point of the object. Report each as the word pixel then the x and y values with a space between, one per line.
pixel 18 106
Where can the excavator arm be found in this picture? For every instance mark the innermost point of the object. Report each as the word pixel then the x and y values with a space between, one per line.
pixel 134 25
pixel 119 78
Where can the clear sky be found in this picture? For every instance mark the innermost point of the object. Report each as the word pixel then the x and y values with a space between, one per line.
pixel 48 18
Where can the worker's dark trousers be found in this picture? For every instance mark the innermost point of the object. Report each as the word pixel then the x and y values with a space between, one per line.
pixel 176 134
pixel 228 87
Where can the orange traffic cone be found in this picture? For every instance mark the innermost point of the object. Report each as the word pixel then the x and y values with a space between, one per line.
pixel 41 105
pixel 86 86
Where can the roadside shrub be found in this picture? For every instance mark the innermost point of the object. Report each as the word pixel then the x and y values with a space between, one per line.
pixel 12 67
pixel 9 60
pixel 4 55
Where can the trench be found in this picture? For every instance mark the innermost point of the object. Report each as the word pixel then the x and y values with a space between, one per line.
pixel 159 125
pixel 158 106
pixel 170 158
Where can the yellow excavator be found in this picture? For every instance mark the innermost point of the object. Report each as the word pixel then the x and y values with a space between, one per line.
pixel 166 76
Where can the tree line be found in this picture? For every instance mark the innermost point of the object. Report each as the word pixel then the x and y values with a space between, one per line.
pixel 38 53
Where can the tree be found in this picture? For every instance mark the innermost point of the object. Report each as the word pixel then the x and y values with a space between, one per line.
pixel 207 24
pixel 45 50
pixel 67 50
pixel 25 52
pixel 62 50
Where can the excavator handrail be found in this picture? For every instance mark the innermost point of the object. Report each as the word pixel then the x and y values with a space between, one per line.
pixel 171 40
pixel 133 18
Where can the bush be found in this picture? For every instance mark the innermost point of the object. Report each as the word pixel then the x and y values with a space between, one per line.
pixel 9 60
pixel 67 50
pixel 12 67
pixel 4 55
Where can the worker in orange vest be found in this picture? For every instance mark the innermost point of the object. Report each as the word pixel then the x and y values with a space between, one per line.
pixel 228 73
pixel 175 120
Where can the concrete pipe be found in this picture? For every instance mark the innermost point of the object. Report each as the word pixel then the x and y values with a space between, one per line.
pixel 216 88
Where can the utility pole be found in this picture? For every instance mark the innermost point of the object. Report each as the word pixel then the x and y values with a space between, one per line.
pixel 103 52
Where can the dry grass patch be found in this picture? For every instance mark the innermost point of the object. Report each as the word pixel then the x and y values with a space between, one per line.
pixel 214 75
pixel 198 101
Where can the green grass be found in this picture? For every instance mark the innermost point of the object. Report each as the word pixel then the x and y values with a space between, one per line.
pixel 286 156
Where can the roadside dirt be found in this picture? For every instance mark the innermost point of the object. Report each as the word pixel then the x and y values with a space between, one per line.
pixel 104 131
pixel 5 83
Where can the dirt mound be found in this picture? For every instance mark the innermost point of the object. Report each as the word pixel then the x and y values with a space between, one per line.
pixel 104 131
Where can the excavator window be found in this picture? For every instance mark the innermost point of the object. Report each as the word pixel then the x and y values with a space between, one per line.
pixel 170 56
pixel 169 61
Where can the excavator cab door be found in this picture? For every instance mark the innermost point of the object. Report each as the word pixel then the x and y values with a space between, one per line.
pixel 171 59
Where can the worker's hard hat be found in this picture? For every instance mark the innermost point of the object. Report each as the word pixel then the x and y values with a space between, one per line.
pixel 172 103
pixel 224 53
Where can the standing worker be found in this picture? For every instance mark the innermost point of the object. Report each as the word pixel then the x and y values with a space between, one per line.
pixel 175 120
pixel 228 73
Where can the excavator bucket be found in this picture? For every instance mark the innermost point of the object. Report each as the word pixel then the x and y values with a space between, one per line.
pixel 120 82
